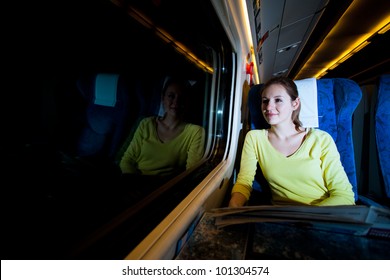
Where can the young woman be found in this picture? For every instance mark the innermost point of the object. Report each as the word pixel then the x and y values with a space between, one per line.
pixel 165 145
pixel 302 166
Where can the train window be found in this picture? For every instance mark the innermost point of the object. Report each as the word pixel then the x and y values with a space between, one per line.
pixel 138 43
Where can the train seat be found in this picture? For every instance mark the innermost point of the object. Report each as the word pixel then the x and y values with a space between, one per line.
pixel 337 100
pixel 107 116
pixel 382 130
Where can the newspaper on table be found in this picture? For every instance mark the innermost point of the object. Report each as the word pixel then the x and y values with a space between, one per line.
pixel 359 220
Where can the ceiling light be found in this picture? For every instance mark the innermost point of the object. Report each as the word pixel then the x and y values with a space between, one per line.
pixel 384 29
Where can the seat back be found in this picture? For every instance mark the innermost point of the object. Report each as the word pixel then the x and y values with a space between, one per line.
pixel 382 130
pixel 108 114
pixel 337 100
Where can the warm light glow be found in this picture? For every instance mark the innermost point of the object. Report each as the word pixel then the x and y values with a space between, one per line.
pixel 167 38
pixel 350 52
pixel 322 74
pixel 333 66
pixel 345 57
pixel 361 46
pixel 355 46
pixel 249 39
pixel 384 29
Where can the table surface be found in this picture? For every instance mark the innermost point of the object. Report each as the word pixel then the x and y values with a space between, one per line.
pixel 277 241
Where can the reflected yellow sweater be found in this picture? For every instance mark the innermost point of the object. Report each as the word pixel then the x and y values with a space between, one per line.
pixel 147 155
pixel 313 175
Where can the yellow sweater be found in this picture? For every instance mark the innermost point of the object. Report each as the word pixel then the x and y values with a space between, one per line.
pixel 313 175
pixel 147 155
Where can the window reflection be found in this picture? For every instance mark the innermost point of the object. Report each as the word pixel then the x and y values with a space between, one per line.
pixel 73 135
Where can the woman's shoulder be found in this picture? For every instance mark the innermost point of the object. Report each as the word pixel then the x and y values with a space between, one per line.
pixel 193 131
pixel 194 127
pixel 147 123
pixel 257 132
pixel 148 120
pixel 256 135
pixel 319 134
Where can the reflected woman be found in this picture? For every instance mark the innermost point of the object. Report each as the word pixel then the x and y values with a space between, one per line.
pixel 165 145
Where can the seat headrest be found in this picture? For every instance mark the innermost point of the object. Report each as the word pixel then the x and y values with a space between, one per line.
pixel 307 90
pixel 106 89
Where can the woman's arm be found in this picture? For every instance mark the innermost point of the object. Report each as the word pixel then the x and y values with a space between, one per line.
pixel 237 200
pixel 196 148
pixel 128 163
pixel 335 177
pixel 243 186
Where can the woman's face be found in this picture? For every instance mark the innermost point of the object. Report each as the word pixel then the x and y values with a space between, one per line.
pixel 173 100
pixel 277 106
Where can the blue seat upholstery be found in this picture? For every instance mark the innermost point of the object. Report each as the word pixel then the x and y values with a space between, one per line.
pixel 107 116
pixel 382 130
pixel 257 120
pixel 335 113
pixel 337 100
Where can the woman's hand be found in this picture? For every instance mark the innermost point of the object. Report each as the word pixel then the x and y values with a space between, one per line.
pixel 237 200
